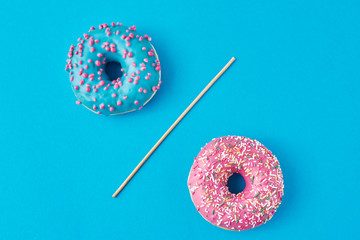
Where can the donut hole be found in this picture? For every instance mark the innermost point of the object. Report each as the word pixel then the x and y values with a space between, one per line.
pixel 113 70
pixel 236 183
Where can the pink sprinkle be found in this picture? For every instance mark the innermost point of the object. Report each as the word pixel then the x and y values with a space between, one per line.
pixel 131 35
pixel 119 103
pixel 127 39
pixel 94 107
pixel 157 68
pixel 76 87
pixel 137 72
pixel 86 36
pixel 141 38
pixel 137 78
pixel 143 68
pixel 145 91
pixel 81 82
pixel 113 24
pixel 113 50
pixel 147 77
pixel 117 32
pixel 99 55
pixel 130 54
pixel 112 45
pixel 84 75
pixel 97 40
pixel 151 54
pixel 125 52
pixel 106 88
pixel 128 44
pixel 71 78
pixel 107 49
pixel 129 80
pixel 111 109
pixel 123 36
pixel 134 64
pixel 102 83
pixel 113 95
pixel 102 106
pixel 146 60
pixel 91 42
pixel 144 48
pixel 140 89
pixel 86 66
pixel 124 56
pixel 94 99
pixel 108 33
pixel 116 86
pixel 78 102
pixel 136 82
pixel 92 49
pixel 97 63
pixel 125 97
pixel 132 74
pixel 136 102
pixel 154 89
pixel 88 89
pixel 90 61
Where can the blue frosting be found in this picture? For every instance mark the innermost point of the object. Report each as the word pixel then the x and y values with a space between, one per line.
pixel 140 64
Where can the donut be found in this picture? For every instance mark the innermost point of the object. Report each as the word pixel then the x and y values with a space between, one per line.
pixel 208 177
pixel 137 81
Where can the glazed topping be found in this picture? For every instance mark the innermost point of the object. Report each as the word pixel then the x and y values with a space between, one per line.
pixel 216 162
pixel 140 68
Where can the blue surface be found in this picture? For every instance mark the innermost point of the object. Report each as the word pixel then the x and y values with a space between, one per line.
pixel 294 87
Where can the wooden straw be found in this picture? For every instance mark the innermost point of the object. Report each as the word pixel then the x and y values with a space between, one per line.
pixel 173 126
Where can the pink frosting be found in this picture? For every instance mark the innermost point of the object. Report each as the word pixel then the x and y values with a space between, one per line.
pixel 209 174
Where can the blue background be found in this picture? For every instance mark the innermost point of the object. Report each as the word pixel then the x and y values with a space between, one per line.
pixel 294 87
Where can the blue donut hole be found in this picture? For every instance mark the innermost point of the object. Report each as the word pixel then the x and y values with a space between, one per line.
pixel 236 183
pixel 113 70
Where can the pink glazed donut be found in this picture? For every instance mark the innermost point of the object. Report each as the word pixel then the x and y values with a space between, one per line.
pixel 209 174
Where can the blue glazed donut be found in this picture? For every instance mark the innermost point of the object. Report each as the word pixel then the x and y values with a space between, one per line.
pixel 140 76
